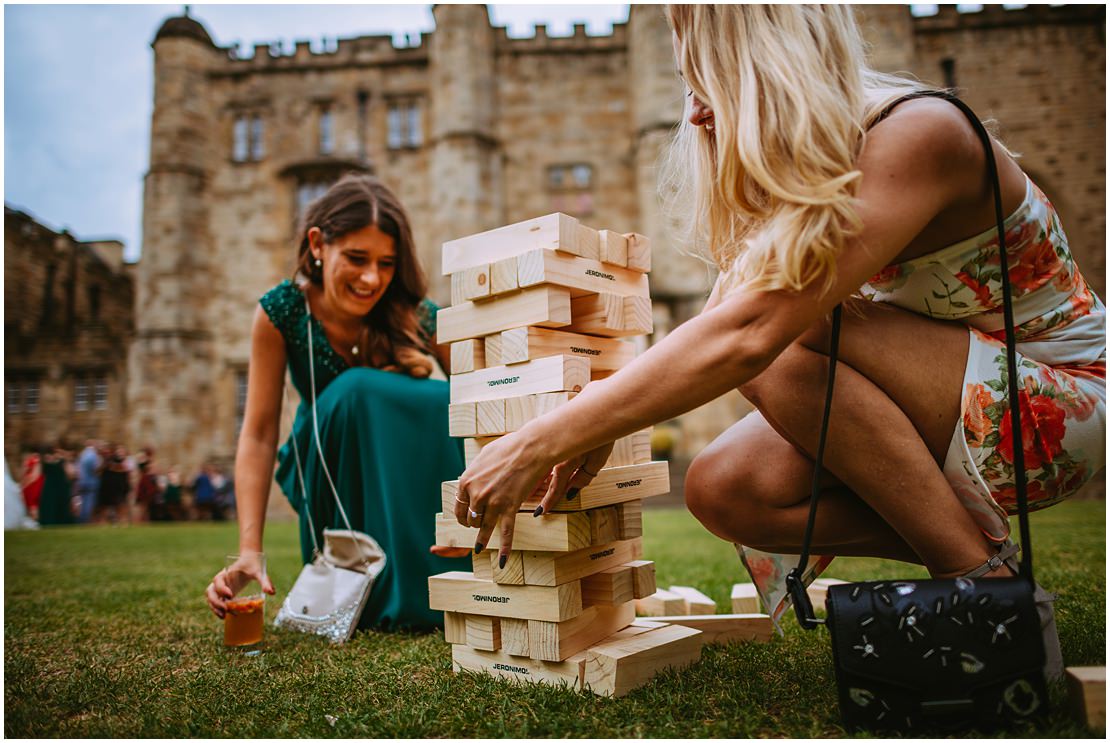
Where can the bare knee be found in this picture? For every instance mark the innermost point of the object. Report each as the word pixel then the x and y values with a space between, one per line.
pixel 724 491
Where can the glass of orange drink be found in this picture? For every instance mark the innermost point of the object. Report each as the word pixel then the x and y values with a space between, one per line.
pixel 245 616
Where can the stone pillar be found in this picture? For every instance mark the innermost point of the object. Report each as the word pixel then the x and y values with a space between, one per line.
pixel 465 166
pixel 171 364
pixel 676 279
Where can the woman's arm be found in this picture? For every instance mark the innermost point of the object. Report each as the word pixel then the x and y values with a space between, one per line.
pixel 910 175
pixel 254 460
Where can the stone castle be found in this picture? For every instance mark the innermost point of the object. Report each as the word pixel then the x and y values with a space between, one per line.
pixel 473 130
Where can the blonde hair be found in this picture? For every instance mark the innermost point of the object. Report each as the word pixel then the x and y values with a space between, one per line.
pixel 770 195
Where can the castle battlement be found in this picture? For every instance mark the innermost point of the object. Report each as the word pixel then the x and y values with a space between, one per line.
pixel 950 18
pixel 579 41
pixel 376 49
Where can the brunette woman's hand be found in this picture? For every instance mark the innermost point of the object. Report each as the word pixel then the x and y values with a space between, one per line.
pixel 441 551
pixel 569 477
pixel 230 581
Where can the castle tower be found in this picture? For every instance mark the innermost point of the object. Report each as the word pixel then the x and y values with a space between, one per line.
pixel 465 175
pixel 169 392
pixel 679 282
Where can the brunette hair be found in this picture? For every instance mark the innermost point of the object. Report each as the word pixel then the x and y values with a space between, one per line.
pixel 391 336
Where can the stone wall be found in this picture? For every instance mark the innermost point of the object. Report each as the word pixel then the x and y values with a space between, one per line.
pixel 67 320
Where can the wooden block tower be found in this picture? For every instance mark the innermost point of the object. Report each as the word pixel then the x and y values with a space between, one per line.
pixel 539 309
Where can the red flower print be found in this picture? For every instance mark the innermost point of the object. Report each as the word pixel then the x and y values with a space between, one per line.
pixel 982 291
pixel 1036 265
pixel 1007 497
pixel 976 423
pixel 1042 423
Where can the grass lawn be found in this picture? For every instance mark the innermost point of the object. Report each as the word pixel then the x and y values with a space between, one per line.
pixel 106 634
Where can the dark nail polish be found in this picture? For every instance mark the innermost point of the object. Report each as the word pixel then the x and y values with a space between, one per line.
pixel 501 563
pixel 538 511
pixel 478 548
pixel 572 493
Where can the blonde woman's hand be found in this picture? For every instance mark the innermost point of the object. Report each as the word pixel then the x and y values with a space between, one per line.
pixel 569 477
pixel 506 473
pixel 230 581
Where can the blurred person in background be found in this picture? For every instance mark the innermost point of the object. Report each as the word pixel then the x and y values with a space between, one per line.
pixel 32 479
pixel 56 503
pixel 88 478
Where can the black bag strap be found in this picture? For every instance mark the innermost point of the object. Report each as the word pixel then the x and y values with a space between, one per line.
pixel 803 609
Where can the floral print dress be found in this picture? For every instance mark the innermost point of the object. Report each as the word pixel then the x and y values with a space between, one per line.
pixel 1061 345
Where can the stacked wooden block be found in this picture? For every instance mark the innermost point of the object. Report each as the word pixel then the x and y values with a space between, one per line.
pixel 539 309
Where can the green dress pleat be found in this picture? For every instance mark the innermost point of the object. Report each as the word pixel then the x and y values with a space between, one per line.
pixel 385 441
pixel 54 506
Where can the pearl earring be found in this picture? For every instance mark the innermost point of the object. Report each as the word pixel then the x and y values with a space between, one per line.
pixel 319 263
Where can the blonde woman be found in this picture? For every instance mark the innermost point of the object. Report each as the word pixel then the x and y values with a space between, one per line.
pixel 813 182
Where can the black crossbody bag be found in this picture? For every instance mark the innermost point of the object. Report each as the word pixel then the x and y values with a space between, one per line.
pixel 938 654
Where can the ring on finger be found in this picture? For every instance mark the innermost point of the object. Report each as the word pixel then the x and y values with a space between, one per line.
pixel 474 514
pixel 460 500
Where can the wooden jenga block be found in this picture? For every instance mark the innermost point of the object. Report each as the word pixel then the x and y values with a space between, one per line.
pixel 604 525
pixel 745 599
pixel 491 417
pixel 551 374
pixel 454 628
pixel 483 633
pixel 616 485
pixel 520 410
pixel 462 419
pixel 660 604
pixel 579 275
pixel 492 345
pixel 503 276
pixel 818 591
pixel 621 664
pixel 519 667
pixel 696 601
pixel 608 315
pixel 1087 695
pixel 560 640
pixel 554 532
pixel 726 627
pixel 552 568
pixel 551 232
pixel 468 355
pixel 643 578
pixel 481 566
pixel 639 252
pixel 608 587
pixel 470 284
pixel 471 447
pixel 613 247
pixel 513 572
pixel 524 344
pixel 632 449
pixel 461 592
pixel 631 518
pixel 548 306
pixel 514 636
pixel 588 243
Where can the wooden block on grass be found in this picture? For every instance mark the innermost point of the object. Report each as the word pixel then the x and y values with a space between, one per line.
pixel 818 591
pixel 461 592
pixel 632 449
pixel 608 315
pixel 616 485
pixel 551 232
pixel 1087 695
pixel 552 568
pixel 468 355
pixel 560 640
pixel 548 306
pixel 621 664
pixel 662 603
pixel 551 374
pixel 613 248
pixel 726 627
pixel 696 601
pixel 454 628
pixel 557 532
pixel 639 252
pixel 519 668
pixel 524 344
pixel 483 633
pixel 579 275
pixel 745 599
pixel 514 636
pixel 470 284
pixel 462 419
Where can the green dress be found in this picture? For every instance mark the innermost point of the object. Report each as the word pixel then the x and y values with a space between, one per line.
pixel 384 438
pixel 54 506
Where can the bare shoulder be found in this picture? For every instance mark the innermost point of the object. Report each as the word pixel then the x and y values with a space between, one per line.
pixel 925 140
pixel 263 330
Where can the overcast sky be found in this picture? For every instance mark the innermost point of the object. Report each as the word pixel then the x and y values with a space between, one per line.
pixel 78 81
